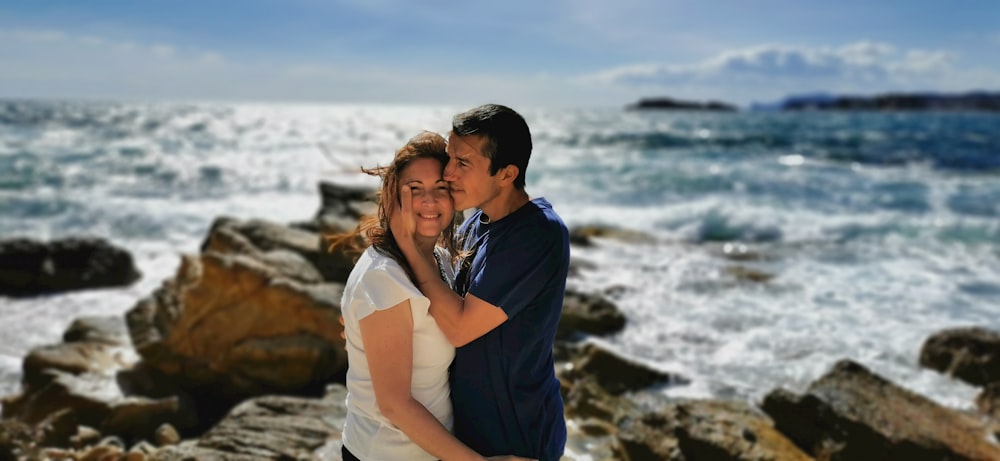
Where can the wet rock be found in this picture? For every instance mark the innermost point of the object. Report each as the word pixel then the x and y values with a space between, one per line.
pixel 969 354
pixel 30 267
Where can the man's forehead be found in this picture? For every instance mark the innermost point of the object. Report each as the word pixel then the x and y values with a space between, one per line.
pixel 466 143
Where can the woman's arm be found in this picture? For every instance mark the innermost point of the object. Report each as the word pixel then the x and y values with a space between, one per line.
pixel 388 340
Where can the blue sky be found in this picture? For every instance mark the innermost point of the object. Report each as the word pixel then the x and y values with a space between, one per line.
pixel 558 52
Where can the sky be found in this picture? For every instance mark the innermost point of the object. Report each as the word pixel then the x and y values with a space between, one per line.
pixel 566 53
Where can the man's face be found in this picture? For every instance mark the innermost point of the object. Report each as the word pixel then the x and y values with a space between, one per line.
pixel 468 172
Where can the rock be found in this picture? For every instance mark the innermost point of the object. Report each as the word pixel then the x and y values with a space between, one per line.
pixel 106 330
pixel 91 382
pixel 590 314
pixel 705 429
pixel 166 435
pixel 852 414
pixel 617 374
pixel 95 400
pixel 271 244
pixel 226 238
pixel 17 440
pixel 269 427
pixel 228 327
pixel 30 267
pixel 969 354
pixel 75 358
pixel 342 207
pixel 584 235
pixel 85 436
pixel 988 401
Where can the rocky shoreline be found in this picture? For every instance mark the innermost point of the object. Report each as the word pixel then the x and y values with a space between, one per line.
pixel 239 357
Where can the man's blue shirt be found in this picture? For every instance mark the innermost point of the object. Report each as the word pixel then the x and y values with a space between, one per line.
pixel 503 386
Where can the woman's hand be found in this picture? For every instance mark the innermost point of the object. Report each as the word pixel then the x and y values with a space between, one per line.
pixel 401 222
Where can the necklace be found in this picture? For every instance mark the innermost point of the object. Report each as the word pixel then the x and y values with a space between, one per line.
pixel 441 269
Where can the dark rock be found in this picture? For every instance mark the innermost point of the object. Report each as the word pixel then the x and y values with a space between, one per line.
pixel 31 268
pixel 341 207
pixel 617 374
pixel 584 235
pixel 988 401
pixel 852 414
pixel 590 314
pixel 969 354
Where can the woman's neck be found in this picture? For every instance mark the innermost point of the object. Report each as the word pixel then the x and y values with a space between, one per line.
pixel 426 245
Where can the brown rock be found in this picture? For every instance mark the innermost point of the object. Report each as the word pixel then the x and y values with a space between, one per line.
pixel 232 327
pixel 852 414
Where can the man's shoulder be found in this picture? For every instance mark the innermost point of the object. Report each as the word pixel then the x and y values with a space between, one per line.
pixel 544 217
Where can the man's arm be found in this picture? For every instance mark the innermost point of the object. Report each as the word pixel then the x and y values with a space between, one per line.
pixel 461 320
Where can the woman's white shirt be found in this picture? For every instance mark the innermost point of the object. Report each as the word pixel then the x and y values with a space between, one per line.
pixel 378 282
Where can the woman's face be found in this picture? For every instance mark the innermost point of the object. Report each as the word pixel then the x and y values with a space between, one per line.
pixel 432 204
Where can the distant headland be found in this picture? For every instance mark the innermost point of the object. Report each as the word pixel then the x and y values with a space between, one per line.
pixel 916 101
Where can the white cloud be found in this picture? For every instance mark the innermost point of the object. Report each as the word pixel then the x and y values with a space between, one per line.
pixel 774 71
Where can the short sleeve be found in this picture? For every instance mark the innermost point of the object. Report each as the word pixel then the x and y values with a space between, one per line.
pixel 387 285
pixel 520 267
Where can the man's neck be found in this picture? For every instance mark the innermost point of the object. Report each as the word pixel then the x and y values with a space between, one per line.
pixel 505 203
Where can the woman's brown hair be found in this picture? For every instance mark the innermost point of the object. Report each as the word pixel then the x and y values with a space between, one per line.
pixel 374 229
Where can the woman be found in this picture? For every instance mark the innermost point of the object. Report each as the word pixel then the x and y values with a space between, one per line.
pixel 398 401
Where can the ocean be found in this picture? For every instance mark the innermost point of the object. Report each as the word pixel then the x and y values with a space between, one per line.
pixel 772 244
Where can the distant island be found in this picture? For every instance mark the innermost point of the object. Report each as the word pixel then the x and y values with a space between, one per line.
pixel 675 104
pixel 977 100
pixel 916 101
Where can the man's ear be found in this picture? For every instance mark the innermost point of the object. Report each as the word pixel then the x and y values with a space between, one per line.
pixel 508 174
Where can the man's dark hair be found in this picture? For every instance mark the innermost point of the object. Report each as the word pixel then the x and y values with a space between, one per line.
pixel 507 135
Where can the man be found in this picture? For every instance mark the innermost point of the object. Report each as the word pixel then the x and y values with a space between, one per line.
pixel 510 290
